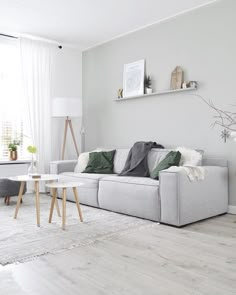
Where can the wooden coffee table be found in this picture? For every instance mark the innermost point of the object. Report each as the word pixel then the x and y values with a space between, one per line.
pixel 26 178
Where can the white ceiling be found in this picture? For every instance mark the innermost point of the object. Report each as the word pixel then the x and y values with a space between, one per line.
pixel 86 23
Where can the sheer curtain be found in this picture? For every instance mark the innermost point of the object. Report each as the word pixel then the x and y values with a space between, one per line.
pixel 13 125
pixel 36 61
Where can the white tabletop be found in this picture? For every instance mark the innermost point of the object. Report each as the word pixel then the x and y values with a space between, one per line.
pixel 64 184
pixel 44 177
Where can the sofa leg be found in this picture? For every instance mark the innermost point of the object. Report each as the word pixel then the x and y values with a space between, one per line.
pixel 7 201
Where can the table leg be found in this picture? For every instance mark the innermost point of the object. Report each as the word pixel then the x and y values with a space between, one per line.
pixel 77 203
pixel 54 194
pixel 19 198
pixel 57 206
pixel 64 208
pixel 37 202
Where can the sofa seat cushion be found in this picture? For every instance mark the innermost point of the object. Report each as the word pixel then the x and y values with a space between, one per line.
pixel 132 180
pixel 88 192
pixel 136 196
pixel 88 179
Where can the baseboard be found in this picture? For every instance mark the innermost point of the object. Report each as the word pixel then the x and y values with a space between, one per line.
pixel 232 209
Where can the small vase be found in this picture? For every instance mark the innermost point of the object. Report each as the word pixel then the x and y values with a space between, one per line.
pixel 32 170
pixel 12 155
pixel 148 90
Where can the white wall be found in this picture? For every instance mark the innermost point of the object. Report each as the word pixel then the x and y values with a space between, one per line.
pixel 203 43
pixel 67 82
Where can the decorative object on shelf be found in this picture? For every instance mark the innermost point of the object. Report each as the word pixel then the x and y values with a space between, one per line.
pixel 185 84
pixel 225 134
pixel 192 84
pixel 189 84
pixel 67 107
pixel 148 84
pixel 177 77
pixel 133 78
pixel 32 170
pixel 12 147
pixel 120 93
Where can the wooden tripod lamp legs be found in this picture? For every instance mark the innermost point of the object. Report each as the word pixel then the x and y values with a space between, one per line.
pixel 68 122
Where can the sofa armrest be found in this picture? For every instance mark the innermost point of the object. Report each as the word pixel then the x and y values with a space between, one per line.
pixel 183 201
pixel 57 167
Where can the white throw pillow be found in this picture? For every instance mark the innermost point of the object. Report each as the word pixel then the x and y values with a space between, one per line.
pixel 82 162
pixel 189 157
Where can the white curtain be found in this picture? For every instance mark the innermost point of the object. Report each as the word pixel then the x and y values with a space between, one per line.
pixel 37 59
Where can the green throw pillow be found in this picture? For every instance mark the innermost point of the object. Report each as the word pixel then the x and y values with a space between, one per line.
pixel 171 159
pixel 100 162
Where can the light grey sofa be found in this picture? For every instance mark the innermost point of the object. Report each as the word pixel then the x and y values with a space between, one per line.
pixel 173 200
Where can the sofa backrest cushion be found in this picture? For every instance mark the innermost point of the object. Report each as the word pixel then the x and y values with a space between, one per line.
pixel 155 156
pixel 120 159
pixel 82 162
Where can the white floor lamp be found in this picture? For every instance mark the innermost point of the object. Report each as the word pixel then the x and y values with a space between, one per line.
pixel 67 107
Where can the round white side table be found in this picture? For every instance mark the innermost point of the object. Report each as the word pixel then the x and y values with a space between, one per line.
pixel 27 178
pixel 64 186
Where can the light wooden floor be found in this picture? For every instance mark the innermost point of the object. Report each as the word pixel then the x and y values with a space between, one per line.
pixel 197 259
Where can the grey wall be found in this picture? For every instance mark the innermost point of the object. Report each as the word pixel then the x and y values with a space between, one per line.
pixel 202 42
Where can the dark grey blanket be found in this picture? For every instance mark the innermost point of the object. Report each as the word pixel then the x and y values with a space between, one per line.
pixel 136 163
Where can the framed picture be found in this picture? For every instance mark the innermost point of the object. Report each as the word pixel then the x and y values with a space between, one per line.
pixel 133 79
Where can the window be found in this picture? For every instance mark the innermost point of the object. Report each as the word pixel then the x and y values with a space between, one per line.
pixel 13 117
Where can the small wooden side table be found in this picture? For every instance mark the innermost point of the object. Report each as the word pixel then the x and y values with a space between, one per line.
pixel 27 178
pixel 64 186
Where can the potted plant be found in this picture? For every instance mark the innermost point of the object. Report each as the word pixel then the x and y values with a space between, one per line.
pixel 148 84
pixel 32 168
pixel 12 148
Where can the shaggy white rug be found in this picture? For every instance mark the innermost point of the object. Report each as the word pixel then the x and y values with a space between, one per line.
pixel 21 239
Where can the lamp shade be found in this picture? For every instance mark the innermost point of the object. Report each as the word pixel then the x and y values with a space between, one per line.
pixel 67 107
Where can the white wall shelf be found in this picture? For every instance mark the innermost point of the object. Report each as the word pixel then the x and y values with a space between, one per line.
pixel 157 93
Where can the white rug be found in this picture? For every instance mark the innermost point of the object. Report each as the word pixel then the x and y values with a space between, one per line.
pixel 22 240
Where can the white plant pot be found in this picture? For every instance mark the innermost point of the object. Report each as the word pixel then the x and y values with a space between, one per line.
pixel 148 90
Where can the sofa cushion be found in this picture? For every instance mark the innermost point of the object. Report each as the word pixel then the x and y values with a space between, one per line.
pixel 171 159
pixel 132 180
pixel 88 192
pixel 190 157
pixel 82 162
pixel 100 162
pixel 88 179
pixel 120 159
pixel 155 156
pixel 136 196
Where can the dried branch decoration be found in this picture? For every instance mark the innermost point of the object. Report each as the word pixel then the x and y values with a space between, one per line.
pixel 225 119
